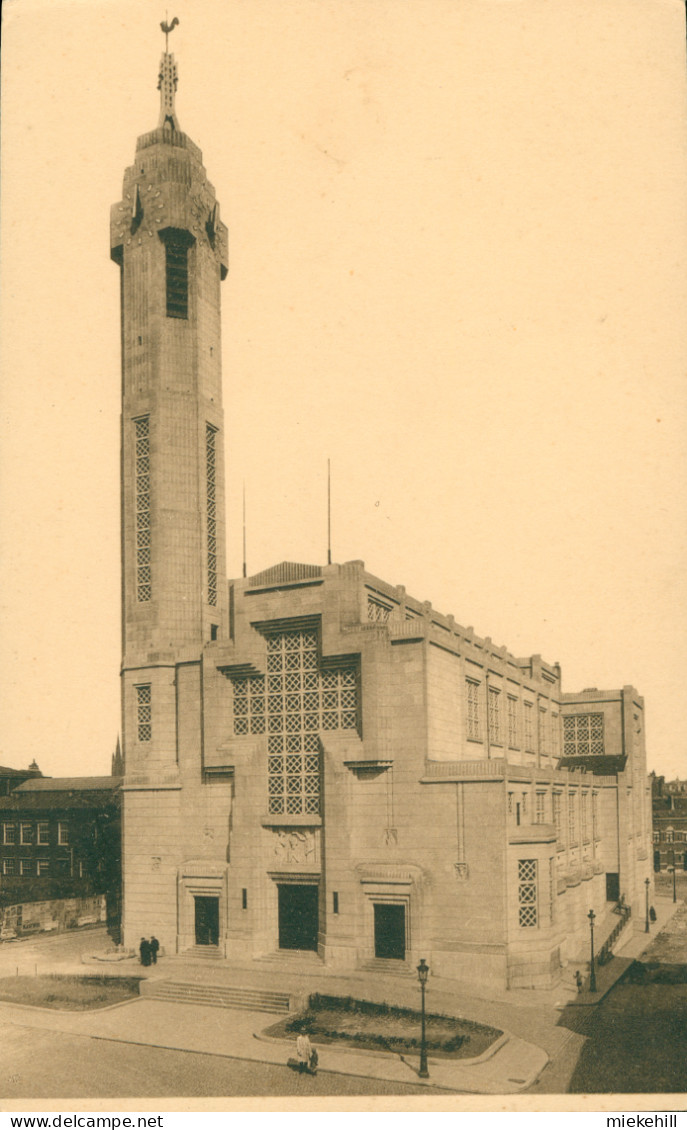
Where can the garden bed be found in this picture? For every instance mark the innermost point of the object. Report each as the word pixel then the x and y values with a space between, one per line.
pixel 67 992
pixel 382 1027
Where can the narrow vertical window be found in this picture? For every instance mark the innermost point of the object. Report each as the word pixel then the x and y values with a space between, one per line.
pixel 176 274
pixel 494 716
pixel 540 808
pixel 557 817
pixel 473 713
pixel 211 509
pixel 513 731
pixel 144 713
pixel 142 502
pixel 527 892
pixel 529 728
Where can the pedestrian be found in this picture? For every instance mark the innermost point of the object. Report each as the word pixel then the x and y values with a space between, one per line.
pixel 652 914
pixel 578 981
pixel 154 947
pixel 314 1060
pixel 303 1051
pixel 144 951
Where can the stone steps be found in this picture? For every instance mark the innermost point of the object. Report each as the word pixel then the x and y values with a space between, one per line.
pixel 216 996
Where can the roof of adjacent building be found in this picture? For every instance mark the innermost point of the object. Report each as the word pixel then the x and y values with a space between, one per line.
pixel 68 784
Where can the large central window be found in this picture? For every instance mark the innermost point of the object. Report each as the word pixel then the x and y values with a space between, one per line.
pixel 291 704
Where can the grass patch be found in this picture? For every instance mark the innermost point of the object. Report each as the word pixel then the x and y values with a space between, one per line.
pixel 74 993
pixel 383 1027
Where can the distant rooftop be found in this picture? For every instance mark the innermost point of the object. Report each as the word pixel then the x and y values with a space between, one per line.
pixel 68 784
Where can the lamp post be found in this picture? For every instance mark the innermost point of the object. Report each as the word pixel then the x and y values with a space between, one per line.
pixel 422 975
pixel 671 867
pixel 592 971
pixel 646 921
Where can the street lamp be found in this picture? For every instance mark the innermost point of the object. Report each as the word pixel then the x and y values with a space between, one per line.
pixel 592 974
pixel 422 975
pixel 646 922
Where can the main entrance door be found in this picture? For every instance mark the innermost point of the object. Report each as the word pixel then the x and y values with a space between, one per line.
pixel 390 931
pixel 207 920
pixel 298 916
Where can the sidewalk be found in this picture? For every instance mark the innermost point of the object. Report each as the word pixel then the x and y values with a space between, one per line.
pixel 231 1033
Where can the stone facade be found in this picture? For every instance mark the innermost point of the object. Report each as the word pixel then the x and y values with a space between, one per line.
pixel 316 761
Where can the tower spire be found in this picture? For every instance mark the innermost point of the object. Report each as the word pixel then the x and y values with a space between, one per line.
pixel 167 82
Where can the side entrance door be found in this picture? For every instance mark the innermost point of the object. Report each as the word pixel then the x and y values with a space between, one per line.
pixel 390 931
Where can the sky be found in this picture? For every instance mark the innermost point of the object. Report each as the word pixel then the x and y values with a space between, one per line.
pixel 458 248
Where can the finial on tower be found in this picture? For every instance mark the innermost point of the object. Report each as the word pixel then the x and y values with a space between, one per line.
pixel 167 82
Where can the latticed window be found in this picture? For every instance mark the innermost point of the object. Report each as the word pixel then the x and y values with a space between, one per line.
pixel 291 704
pixel 527 892
pixel 142 507
pixel 211 508
pixel 474 729
pixel 529 728
pixel 583 735
pixel 9 834
pixel 513 728
pixel 377 610
pixel 494 715
pixel 144 712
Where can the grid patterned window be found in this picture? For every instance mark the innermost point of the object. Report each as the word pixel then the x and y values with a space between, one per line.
pixel 62 833
pixel 9 833
pixel 583 735
pixel 9 866
pixel 544 743
pixel 527 892
pixel 513 728
pixel 27 867
pixel 540 808
pixel 176 265
pixel 25 833
pixel 43 832
pixel 557 814
pixel 142 502
pixel 529 728
pixel 144 712
pixel 474 728
pixel 211 508
pixel 377 611
pixel 291 704
pixel 494 715
pixel 42 867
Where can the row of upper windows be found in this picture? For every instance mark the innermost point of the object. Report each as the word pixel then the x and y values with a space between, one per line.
pixel 536 729
pixel 26 867
pixel 29 832
pixel 670 836
pixel 547 807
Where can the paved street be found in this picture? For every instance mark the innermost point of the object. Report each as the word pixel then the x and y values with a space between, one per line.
pixel 54 1065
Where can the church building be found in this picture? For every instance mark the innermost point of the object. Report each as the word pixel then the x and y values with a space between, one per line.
pixel 319 766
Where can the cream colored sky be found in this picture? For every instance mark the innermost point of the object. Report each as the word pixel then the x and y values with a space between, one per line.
pixel 458 245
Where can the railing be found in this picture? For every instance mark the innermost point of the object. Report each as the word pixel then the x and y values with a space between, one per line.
pixel 605 953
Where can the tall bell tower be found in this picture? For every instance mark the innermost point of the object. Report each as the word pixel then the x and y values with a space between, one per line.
pixel 171 247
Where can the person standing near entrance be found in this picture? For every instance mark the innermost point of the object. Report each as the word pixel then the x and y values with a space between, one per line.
pixel 303 1051
pixel 144 951
pixel 154 947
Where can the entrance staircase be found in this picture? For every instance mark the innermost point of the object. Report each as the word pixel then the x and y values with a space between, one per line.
pixel 216 996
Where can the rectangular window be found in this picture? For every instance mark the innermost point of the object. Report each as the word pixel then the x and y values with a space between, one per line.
pixel 474 729
pixel 494 716
pixel 43 833
pixel 544 745
pixel 144 712
pixel 595 815
pixel 557 815
pixel 657 837
pixel 527 892
pixel 43 867
pixel 513 728
pixel 572 818
pixel 211 509
pixel 142 507
pixel 176 273
pixel 9 866
pixel 244 898
pixel 9 834
pixel 62 833
pixel 27 867
pixel 540 808
pixel 583 735
pixel 26 833
pixel 335 902
pixel 584 816
pixel 529 728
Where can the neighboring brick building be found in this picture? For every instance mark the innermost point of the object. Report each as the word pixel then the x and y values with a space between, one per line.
pixel 669 811
pixel 315 761
pixel 60 839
